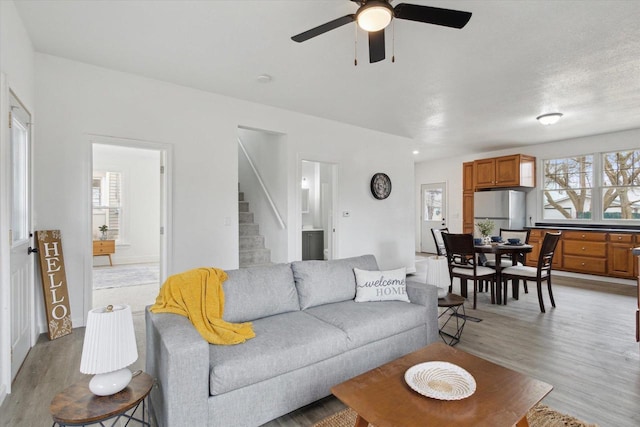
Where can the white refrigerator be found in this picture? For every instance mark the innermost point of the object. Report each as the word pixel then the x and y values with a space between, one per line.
pixel 506 208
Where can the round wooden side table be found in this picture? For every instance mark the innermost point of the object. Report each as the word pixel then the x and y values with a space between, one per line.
pixel 78 406
pixel 452 304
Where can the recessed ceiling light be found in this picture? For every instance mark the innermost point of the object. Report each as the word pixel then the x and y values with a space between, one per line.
pixel 264 78
pixel 416 152
pixel 549 119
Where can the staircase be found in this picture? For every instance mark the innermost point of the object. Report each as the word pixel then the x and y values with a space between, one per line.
pixel 252 250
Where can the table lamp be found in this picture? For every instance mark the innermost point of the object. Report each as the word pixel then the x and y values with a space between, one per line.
pixel 438 274
pixel 109 347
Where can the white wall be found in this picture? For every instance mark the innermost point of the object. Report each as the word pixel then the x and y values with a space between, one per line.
pixel 17 74
pixel 140 170
pixel 310 177
pixel 451 170
pixel 76 99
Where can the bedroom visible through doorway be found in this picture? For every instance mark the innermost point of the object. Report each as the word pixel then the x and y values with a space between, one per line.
pixel 126 224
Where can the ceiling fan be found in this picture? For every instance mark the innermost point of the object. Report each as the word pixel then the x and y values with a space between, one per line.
pixel 373 16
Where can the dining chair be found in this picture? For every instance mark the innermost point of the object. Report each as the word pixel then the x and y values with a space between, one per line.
pixel 523 235
pixel 506 234
pixel 463 264
pixel 540 273
pixel 437 237
pixel 506 260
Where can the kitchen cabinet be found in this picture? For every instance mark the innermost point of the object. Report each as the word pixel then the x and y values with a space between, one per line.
pixel 603 253
pixel 516 170
pixel 467 197
pixel 467 213
pixel 620 259
pixel 467 177
pixel 312 244
pixel 585 252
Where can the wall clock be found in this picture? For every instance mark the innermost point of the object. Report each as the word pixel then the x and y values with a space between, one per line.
pixel 380 186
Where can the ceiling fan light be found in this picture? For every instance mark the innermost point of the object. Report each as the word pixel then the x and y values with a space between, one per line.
pixel 374 16
pixel 549 119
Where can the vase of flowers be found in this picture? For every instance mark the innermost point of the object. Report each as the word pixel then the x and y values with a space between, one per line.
pixel 485 228
pixel 103 229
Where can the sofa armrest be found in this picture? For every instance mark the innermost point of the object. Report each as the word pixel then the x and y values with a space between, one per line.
pixel 177 357
pixel 422 293
pixel 426 295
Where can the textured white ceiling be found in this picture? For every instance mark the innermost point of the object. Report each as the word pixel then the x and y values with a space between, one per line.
pixel 450 91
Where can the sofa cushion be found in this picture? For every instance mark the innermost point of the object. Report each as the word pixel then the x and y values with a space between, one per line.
pixel 365 322
pixel 255 292
pixel 324 282
pixel 283 343
pixel 390 285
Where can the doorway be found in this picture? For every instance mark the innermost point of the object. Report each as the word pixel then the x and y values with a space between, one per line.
pixel 128 201
pixel 433 213
pixel 22 282
pixel 317 201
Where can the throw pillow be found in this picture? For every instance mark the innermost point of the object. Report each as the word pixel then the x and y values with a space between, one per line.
pixel 390 285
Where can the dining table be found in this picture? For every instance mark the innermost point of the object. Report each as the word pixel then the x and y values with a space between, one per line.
pixel 499 249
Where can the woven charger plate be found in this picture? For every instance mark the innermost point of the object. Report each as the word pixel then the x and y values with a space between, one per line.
pixel 440 380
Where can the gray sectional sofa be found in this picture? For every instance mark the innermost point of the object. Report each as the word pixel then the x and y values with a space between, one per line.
pixel 310 335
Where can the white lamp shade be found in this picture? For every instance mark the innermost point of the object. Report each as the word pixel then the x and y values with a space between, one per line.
pixel 438 274
pixel 374 16
pixel 109 340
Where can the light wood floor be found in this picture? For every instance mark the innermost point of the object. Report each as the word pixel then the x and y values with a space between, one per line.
pixel 585 348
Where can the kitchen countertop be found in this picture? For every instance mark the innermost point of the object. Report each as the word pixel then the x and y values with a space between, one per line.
pixel 594 227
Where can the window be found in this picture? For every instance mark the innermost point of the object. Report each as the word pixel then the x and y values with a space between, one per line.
pixel 20 169
pixel 106 196
pixel 568 188
pixel 621 185
pixel 604 187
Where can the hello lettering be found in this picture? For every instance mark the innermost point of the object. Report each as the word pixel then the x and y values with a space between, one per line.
pixel 52 260
pixel 54 283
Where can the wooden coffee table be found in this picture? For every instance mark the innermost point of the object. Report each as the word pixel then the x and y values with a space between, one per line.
pixel 381 396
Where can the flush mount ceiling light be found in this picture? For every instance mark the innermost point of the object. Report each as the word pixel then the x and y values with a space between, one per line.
pixel 549 119
pixel 374 16
pixel 264 78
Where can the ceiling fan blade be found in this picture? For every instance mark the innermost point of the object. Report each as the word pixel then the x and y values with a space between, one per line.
pixel 321 29
pixel 432 15
pixel 376 46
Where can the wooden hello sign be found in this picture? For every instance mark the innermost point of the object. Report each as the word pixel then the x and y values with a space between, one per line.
pixel 54 283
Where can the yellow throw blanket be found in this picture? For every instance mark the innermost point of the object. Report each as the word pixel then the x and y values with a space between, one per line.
pixel 198 295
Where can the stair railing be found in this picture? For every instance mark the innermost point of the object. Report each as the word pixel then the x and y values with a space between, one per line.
pixel 263 186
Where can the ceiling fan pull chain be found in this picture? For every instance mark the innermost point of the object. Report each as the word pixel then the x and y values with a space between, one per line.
pixel 355 46
pixel 393 41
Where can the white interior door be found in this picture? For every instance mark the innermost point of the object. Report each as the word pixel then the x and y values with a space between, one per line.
pixel 22 275
pixel 433 213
